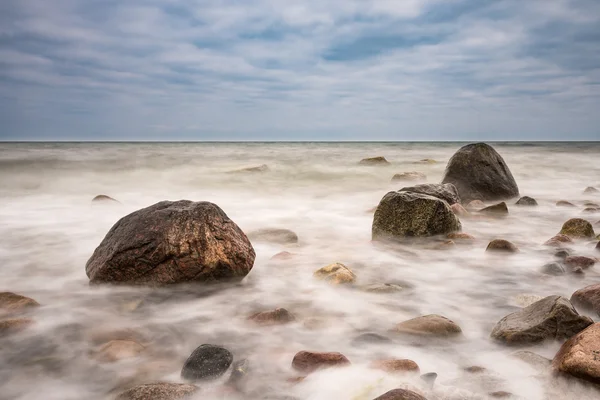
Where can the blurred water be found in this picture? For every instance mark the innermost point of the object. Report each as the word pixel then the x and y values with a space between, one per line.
pixel 49 229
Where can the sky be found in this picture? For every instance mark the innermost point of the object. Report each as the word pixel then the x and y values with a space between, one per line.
pixel 300 70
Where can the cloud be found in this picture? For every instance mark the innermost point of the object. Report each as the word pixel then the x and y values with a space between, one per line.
pixel 329 69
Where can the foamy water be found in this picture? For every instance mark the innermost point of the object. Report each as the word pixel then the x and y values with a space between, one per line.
pixel 49 229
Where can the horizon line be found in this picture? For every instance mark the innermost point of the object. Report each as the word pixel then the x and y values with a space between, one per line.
pixel 298 141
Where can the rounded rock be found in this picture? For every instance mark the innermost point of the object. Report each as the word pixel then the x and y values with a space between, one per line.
pixel 496 209
pixel 306 361
pixel 558 240
pixel 158 391
pixel 579 262
pixel 501 245
pixel 564 203
pixel 527 201
pixel 587 299
pixel 460 236
pixel 274 235
pixel 206 362
pixel 396 366
pixel 577 228
pixel 554 269
pixel 12 302
pixel 335 273
pixel 400 394
pixel 279 316
pixel 591 190
pixel 117 350
pixel 374 161
pixel 409 176
pixel 578 356
pixel 429 326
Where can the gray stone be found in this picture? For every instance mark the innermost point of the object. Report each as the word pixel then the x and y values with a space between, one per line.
pixel 445 191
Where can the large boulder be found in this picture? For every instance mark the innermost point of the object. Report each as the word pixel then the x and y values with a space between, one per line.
pixel 445 192
pixel 480 173
pixel 553 317
pixel 172 242
pixel 406 214
pixel 588 298
pixel 158 391
pixel 577 228
pixel 206 362
pixel 580 355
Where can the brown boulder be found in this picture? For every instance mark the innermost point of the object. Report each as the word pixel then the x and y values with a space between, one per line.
pixel 12 302
pixel 307 361
pixel 374 161
pixel 577 228
pixel 335 273
pixel 395 366
pixel 553 317
pixel 558 240
pixel 400 394
pixel 172 242
pixel 501 245
pixel 496 209
pixel 409 176
pixel 591 210
pixel 429 326
pixel 579 261
pixel 587 298
pixel 278 316
pixel 117 350
pixel 580 355
pixel 15 325
pixel 158 391
pixel 563 203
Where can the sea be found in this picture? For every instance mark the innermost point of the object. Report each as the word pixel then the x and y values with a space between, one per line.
pixel 49 228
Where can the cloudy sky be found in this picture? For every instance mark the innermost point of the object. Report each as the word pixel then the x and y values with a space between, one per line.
pixel 300 70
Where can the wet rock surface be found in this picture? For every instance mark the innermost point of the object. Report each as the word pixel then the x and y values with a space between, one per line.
pixel 446 192
pixel 400 394
pixel 12 302
pixel 496 209
pixel 158 391
pixel 206 362
pixel 374 161
pixel 306 361
pixel 577 228
pixel 580 355
pixel 587 298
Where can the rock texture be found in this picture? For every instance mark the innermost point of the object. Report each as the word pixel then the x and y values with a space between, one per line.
pixel 158 391
pixel 117 350
pixel 279 316
pixel 409 176
pixel 580 355
pixel 553 317
pixel 12 302
pixel 374 161
pixel 577 228
pixel 558 240
pixel 307 361
pixel 588 298
pixel 206 362
pixel 335 273
pixel 480 173
pixel 274 235
pixel 527 201
pixel 14 325
pixel 429 325
pixel 400 394
pixel 408 214
pixel 496 209
pixel 458 236
pixel 172 242
pixel 445 192
pixel 582 262
pixel 501 246
pixel 396 366
pixel 459 210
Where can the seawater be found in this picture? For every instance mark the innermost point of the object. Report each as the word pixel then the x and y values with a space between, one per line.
pixel 49 229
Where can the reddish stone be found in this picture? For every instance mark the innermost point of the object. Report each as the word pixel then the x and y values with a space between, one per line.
pixel 306 361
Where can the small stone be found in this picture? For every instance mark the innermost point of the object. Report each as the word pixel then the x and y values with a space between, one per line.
pixel 577 228
pixel 591 210
pixel 117 350
pixel 274 235
pixel 370 338
pixel 158 391
pixel 580 355
pixel 282 256
pixel 579 261
pixel 306 361
pixel 591 190
pixel 562 254
pixel 425 161
pixel 12 302
pixel 496 209
pixel 206 362
pixel 383 288
pixel 103 198
pixel 501 245
pixel 15 325
pixel 527 201
pixel 563 203
pixel 374 161
pixel 587 299
pixel 458 236
pixel 257 169
pixel 278 316
pixel 501 395
pixel 409 176
pixel 335 273
pixel 554 269
pixel 475 369
pixel 429 326
pixel 558 240
pixel 394 366
pixel 400 394
pixel 590 204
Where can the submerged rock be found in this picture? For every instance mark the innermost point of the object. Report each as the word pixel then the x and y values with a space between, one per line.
pixel 278 316
pixel 274 235
pixel 579 261
pixel 239 374
pixel 408 214
pixel 591 190
pixel 429 326
pixel 374 161
pixel 445 191
pixel 306 361
pixel 425 161
pixel 282 256
pixel 395 366
pixel 527 201
pixel 257 169
pixel 409 176
pixel 554 269
pixel 400 394
pixel 172 242
pixel 12 302
pixel 14 325
pixel 587 299
pixel 496 209
pixel 475 205
pixel 577 228
pixel 103 198
pixel 206 362
pixel 117 350
pixel 564 203
pixel 460 236
pixel 370 338
pixel 558 240
pixel 580 355
pixel 553 317
pixel 562 253
pixel 335 273
pixel 480 173
pixel 459 210
pixel 501 245
pixel 591 210
pixel 533 359
pixel 158 391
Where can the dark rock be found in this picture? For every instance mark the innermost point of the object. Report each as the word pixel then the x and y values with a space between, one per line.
pixel 172 242
pixel 580 355
pixel 553 317
pixel 562 254
pixel 591 190
pixel 409 176
pixel 400 394
pixel 501 245
pixel 158 391
pixel 103 198
pixel 275 235
pixel 206 362
pixel 598 246
pixel 579 261
pixel 496 209
pixel 554 269
pixel 306 361
pixel 252 170
pixel 577 228
pixel 564 203
pixel 407 214
pixel 445 192
pixel 558 240
pixel 429 326
pixel 480 173
pixel 374 161
pixel 370 338
pixel 527 201
pixel 278 316
pixel 12 302
pixel 587 299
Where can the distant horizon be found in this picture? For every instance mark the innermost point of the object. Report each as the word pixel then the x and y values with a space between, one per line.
pixel 299 141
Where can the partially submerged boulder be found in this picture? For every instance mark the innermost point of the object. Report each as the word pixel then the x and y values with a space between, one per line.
pixel 564 203
pixel 206 362
pixel 577 228
pixel 14 325
pixel 335 273
pixel 12 302
pixel 274 235
pixel 117 350
pixel 587 299
pixel 558 240
pixel 278 316
pixel 407 214
pixel 552 318
pixel 158 391
pixel 429 326
pixel 396 366
pixel 496 209
pixel 502 246
pixel 580 355
pixel 445 191
pixel 480 173
pixel 409 176
pixel 102 198
pixel 374 161
pixel 527 201
pixel 554 269
pixel 460 236
pixel 400 394
pixel 591 190
pixel 308 361
pixel 582 262
pixel 172 242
